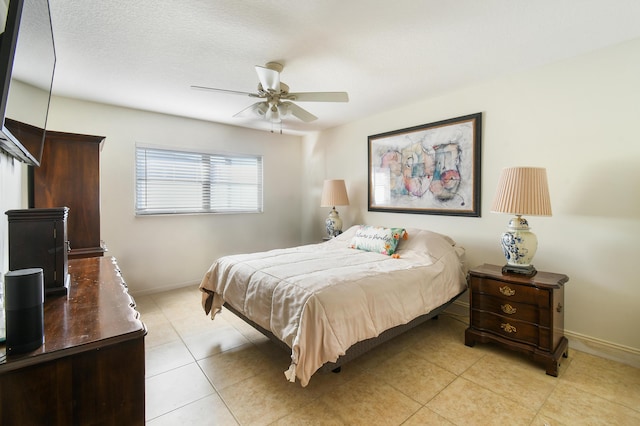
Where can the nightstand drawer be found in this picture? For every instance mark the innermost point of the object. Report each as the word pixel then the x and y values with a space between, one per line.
pixel 510 292
pixel 507 327
pixel 507 308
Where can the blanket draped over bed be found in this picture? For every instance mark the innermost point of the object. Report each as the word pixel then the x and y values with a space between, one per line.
pixel 320 299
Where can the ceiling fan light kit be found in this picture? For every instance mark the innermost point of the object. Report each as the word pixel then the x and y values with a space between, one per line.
pixel 276 100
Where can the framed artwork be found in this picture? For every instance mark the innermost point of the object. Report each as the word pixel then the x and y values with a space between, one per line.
pixel 428 169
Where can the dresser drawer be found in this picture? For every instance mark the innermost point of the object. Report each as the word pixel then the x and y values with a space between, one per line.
pixel 508 308
pixel 510 328
pixel 510 292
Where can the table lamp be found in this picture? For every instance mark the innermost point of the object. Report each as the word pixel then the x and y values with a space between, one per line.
pixel 521 191
pixel 334 193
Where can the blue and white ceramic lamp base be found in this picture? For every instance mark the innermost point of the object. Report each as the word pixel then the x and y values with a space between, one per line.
pixel 333 224
pixel 519 245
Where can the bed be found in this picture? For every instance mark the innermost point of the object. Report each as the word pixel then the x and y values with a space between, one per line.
pixel 328 302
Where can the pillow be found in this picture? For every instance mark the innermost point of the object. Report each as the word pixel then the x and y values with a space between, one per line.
pixel 427 242
pixel 377 239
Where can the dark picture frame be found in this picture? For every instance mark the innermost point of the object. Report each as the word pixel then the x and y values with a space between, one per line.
pixel 427 169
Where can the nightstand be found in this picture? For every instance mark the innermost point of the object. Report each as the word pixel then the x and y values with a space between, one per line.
pixel 521 313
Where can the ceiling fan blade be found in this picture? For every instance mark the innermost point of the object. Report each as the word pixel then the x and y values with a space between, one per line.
pixel 233 92
pixel 270 79
pixel 298 112
pixel 259 108
pixel 319 96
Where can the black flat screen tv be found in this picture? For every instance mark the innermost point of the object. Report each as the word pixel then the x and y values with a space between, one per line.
pixel 27 64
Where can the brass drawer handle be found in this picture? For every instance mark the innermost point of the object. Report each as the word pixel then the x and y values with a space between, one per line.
pixel 508 327
pixel 508 309
pixel 507 291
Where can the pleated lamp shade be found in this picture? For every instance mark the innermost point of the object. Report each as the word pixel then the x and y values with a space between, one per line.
pixel 334 193
pixel 523 191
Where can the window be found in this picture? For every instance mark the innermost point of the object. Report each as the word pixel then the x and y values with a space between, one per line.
pixel 172 182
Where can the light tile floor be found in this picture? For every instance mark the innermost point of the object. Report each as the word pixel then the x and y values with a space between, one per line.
pixel 223 372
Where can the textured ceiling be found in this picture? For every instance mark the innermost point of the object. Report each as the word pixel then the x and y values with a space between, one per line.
pixel 147 53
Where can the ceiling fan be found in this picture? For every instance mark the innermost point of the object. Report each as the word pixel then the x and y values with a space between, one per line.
pixel 277 101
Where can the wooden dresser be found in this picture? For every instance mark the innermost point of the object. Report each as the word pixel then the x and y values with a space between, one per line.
pixel 522 313
pixel 91 367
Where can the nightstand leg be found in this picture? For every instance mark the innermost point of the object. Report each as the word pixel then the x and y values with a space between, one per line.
pixel 562 351
pixel 468 338
pixel 552 368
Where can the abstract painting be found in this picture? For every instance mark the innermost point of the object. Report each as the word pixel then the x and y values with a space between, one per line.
pixel 428 169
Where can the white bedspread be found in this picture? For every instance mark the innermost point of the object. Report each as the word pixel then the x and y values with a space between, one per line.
pixel 322 298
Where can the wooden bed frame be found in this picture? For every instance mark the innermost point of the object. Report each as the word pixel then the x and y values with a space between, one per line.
pixel 358 348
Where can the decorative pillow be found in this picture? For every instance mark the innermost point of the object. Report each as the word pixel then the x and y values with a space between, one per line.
pixel 377 239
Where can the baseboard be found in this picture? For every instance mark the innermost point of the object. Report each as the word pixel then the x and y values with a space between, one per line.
pixel 577 341
pixel 603 348
pixel 459 308
pixel 155 290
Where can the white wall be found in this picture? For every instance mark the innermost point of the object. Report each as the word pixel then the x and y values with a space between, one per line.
pixel 162 252
pixel 577 118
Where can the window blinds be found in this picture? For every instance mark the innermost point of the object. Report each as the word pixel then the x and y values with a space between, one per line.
pixel 173 182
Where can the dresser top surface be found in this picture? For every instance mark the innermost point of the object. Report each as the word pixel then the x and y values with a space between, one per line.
pixel 96 312
pixel 540 279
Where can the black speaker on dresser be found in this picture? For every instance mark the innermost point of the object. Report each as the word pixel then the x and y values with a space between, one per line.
pixel 38 239
pixel 24 309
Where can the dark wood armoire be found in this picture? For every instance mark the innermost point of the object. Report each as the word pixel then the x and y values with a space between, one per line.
pixel 69 175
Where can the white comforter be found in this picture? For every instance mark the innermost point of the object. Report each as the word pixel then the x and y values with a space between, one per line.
pixel 320 299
